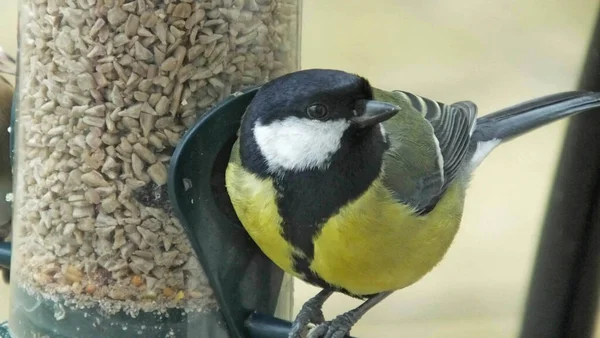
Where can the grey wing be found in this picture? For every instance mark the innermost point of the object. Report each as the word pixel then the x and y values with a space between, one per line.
pixel 452 128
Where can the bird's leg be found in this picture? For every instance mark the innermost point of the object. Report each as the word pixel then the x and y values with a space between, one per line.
pixel 342 324
pixel 311 312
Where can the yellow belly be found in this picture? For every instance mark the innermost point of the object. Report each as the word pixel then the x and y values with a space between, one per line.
pixel 372 245
pixel 255 206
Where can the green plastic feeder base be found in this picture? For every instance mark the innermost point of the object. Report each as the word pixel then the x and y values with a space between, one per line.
pixel 37 317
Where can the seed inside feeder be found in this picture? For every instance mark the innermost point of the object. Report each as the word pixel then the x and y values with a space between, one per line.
pixel 107 89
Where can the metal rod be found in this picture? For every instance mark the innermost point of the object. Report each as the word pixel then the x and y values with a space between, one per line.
pixel 563 291
pixel 266 326
pixel 5 255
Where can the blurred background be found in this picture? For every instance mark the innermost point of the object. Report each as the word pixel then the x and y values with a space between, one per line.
pixel 495 53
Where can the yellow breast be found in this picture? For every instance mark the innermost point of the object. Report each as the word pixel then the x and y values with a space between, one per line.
pixel 372 245
pixel 376 244
pixel 254 202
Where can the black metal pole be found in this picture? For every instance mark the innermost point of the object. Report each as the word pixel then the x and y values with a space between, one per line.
pixel 563 292
pixel 5 255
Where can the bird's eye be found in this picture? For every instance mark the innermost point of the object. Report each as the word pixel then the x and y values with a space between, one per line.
pixel 317 111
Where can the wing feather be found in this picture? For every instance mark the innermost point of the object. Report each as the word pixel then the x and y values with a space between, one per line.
pixel 450 128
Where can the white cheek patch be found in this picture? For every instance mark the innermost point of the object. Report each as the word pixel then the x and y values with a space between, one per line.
pixel 298 144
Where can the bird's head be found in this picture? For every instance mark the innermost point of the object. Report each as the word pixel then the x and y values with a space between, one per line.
pixel 302 120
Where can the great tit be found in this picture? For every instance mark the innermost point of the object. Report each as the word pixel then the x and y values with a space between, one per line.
pixel 359 190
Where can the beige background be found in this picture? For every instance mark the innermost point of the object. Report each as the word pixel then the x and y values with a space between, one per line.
pixel 495 53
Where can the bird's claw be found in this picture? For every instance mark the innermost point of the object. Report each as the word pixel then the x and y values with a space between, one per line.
pixel 337 328
pixel 309 313
pixel 318 331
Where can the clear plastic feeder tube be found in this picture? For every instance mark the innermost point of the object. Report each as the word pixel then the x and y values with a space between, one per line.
pixel 106 90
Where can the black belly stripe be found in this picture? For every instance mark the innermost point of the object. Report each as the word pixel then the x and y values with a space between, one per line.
pixel 303 265
pixel 306 200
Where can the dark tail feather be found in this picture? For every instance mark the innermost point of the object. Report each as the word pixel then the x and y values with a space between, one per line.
pixel 514 121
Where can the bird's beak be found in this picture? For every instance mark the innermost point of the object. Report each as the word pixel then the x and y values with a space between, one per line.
pixel 371 112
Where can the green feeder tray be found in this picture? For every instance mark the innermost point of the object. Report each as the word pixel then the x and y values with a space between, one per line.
pixel 245 282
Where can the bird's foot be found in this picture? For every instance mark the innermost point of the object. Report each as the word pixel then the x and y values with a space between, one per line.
pixel 341 325
pixel 304 318
pixel 337 328
pixel 309 313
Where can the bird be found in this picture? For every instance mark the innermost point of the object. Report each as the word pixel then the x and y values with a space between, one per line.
pixel 359 190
